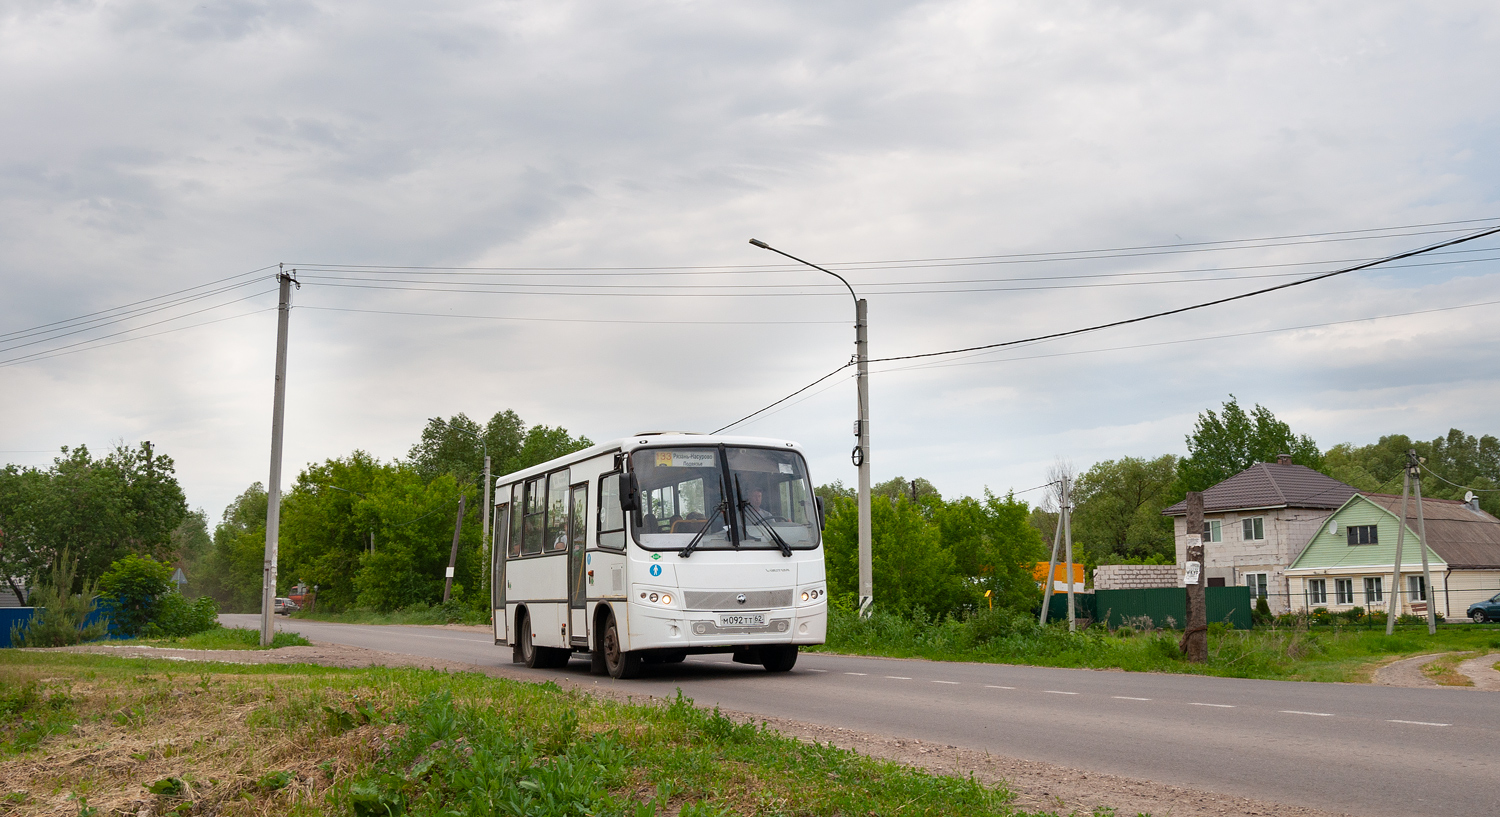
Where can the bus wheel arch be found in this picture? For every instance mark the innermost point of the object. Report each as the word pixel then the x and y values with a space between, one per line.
pixel 619 663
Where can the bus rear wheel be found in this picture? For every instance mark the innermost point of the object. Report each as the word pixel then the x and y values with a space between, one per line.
pixel 779 657
pixel 619 663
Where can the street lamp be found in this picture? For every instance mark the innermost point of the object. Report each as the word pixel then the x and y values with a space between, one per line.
pixel 861 453
pixel 484 518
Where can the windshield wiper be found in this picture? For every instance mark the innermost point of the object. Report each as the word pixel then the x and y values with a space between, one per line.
pixel 760 519
pixel 721 509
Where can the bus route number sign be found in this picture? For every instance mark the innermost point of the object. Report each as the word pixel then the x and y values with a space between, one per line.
pixel 685 459
pixel 742 619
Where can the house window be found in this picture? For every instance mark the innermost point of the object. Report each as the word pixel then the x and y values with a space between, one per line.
pixel 1373 591
pixel 1213 531
pixel 1416 588
pixel 1257 584
pixel 1317 591
pixel 1363 534
pixel 1253 528
pixel 1343 591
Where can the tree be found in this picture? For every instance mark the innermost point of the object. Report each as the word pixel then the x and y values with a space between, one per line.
pixel 1223 445
pixel 101 510
pixel 231 573
pixel 1117 509
pixel 131 588
pixel 1472 462
pixel 453 446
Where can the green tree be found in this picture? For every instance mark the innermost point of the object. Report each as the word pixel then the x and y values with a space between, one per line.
pixel 1224 444
pixel 1117 509
pixel 912 573
pixel 61 617
pixel 231 573
pixel 130 590
pixel 1472 462
pixel 99 509
pixel 454 446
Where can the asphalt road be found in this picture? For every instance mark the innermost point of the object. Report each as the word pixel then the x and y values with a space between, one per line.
pixel 1368 750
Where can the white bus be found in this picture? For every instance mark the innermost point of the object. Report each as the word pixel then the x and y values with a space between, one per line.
pixel 657 546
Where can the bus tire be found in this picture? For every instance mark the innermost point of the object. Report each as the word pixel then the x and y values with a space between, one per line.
pixel 538 657
pixel 778 657
pixel 618 662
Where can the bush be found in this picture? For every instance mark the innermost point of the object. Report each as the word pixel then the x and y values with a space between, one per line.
pixel 130 589
pixel 174 616
pixel 1262 614
pixel 137 592
pixel 61 617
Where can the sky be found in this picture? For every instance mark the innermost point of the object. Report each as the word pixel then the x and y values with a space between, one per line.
pixel 546 207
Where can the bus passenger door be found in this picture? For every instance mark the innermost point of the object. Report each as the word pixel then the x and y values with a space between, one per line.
pixel 499 539
pixel 578 624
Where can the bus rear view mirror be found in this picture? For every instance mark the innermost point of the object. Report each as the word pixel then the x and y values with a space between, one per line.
pixel 630 493
pixel 818 500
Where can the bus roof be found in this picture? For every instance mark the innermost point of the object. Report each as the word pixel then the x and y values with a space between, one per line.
pixel 649 439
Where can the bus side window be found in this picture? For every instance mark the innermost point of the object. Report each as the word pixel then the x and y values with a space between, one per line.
pixel 536 516
pixel 517 513
pixel 611 518
pixel 557 513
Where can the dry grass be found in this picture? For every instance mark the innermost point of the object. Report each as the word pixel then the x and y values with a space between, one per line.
pixel 1444 669
pixel 234 744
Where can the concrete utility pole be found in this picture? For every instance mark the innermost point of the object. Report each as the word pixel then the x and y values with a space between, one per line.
pixel 1195 635
pixel 1051 570
pixel 1416 472
pixel 1067 525
pixel 1392 606
pixel 861 453
pixel 861 457
pixel 458 527
pixel 273 488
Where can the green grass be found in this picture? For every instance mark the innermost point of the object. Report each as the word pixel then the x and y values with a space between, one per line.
pixel 1290 654
pixel 233 739
pixel 221 638
pixel 418 614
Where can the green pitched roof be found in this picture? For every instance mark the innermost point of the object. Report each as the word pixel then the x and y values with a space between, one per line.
pixel 1332 550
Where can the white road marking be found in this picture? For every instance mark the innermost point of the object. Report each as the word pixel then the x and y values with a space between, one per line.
pixel 1420 723
pixel 1058 692
pixel 817 670
pixel 1298 712
pixel 1218 706
pixel 992 686
pixel 856 673
pixel 898 677
pixel 1128 698
pixel 946 682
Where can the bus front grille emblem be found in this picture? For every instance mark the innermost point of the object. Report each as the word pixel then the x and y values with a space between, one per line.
pixel 740 598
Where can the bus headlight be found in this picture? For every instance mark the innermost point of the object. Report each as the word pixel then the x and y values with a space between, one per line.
pixel 813 594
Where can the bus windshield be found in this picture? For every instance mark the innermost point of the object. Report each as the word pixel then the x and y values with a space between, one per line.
pixel 683 490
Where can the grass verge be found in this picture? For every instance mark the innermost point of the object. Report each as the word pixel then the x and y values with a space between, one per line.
pixel 93 735
pixel 419 614
pixel 220 638
pixel 1288 654
pixel 1444 670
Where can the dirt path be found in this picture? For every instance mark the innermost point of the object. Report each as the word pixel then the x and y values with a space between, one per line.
pixel 1038 786
pixel 1408 672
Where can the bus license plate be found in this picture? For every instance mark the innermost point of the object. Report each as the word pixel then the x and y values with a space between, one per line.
pixel 742 619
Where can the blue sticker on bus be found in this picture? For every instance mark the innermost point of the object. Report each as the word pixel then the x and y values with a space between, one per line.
pixel 656 570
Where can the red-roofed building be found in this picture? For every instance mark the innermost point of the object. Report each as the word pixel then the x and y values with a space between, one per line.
pixel 1257 522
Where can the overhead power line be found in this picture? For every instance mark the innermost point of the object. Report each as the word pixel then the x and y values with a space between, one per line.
pixel 1456 485
pixel 568 320
pixel 1204 304
pixel 1138 319
pixel 134 303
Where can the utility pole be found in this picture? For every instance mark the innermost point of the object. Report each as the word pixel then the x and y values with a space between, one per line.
pixel 1051 569
pixel 1416 473
pixel 489 508
pixel 1067 523
pixel 273 488
pixel 1195 635
pixel 1392 606
pixel 150 469
pixel 458 527
pixel 861 453
pixel 862 458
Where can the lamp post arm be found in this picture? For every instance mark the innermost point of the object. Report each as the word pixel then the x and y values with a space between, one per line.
pixel 763 245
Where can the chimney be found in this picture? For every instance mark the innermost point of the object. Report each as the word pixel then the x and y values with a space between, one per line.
pixel 1283 459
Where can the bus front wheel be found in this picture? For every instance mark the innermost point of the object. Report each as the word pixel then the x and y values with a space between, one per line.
pixel 621 664
pixel 778 658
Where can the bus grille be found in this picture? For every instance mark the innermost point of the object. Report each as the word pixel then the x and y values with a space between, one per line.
pixel 779 625
pixel 729 599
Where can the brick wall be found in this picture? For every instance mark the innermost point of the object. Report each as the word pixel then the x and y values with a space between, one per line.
pixel 1135 577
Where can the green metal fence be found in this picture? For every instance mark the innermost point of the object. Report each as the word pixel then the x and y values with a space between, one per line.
pixel 1167 606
